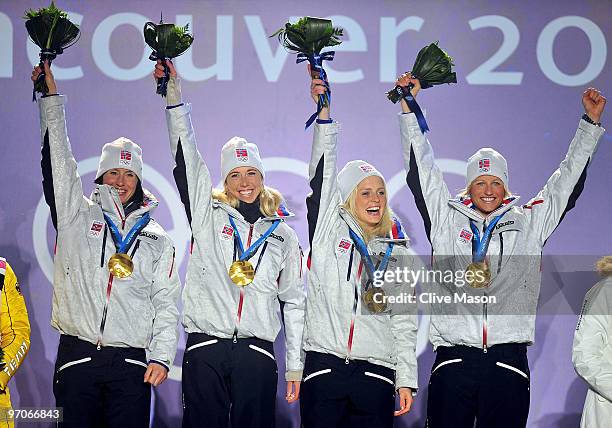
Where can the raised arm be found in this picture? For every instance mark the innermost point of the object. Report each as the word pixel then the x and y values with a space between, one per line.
pixel 61 182
pixel 565 185
pixel 323 201
pixel 423 176
pixel 190 172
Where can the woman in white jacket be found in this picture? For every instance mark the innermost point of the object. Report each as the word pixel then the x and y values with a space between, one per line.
pixel 481 370
pixel 229 368
pixel 115 286
pixel 592 351
pixel 358 354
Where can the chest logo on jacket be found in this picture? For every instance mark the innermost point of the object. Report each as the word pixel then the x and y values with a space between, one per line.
pixel 465 236
pixel 227 233
pixel 96 228
pixel 343 246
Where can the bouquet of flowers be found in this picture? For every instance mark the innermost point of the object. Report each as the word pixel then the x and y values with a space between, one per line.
pixel 51 30
pixel 167 41
pixel 307 38
pixel 432 67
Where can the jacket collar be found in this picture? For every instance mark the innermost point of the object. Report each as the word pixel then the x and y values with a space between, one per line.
pixel 465 206
pixel 281 214
pixel 397 238
pixel 108 199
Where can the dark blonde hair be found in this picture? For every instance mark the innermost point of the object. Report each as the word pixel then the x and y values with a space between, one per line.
pixel 381 229
pixel 604 266
pixel 269 199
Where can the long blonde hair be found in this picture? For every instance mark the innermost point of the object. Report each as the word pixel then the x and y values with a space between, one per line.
pixel 382 228
pixel 269 199
pixel 604 266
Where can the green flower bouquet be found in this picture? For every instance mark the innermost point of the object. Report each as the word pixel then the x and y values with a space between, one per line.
pixel 308 37
pixel 51 30
pixel 167 41
pixel 432 67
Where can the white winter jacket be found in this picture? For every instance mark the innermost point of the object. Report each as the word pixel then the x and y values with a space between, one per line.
pixel 515 248
pixel 210 300
pixel 142 309
pixel 592 354
pixel 387 339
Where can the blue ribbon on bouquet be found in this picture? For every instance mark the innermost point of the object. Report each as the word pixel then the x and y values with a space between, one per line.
pixel 316 64
pixel 404 92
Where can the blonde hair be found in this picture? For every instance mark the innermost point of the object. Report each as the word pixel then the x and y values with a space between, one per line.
pixel 604 266
pixel 269 199
pixel 382 228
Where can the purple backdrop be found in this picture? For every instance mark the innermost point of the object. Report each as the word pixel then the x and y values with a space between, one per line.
pixel 521 69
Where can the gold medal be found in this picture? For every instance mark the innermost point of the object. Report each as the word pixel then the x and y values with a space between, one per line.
pixel 375 306
pixel 480 275
pixel 120 265
pixel 241 273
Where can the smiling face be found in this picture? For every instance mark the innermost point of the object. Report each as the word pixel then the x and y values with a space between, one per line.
pixel 124 180
pixel 244 183
pixel 370 201
pixel 487 193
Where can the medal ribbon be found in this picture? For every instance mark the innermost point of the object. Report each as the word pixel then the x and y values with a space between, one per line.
pixel 365 256
pixel 316 64
pixel 252 249
pixel 123 244
pixel 480 245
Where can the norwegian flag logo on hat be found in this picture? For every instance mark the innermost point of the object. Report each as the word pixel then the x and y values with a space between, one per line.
pixel 125 157
pixel 242 155
pixel 366 167
pixel 484 165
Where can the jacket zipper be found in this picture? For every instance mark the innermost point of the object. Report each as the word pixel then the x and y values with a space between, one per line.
pixel 484 309
pixel 241 302
pixel 349 345
pixel 484 305
pixel 109 285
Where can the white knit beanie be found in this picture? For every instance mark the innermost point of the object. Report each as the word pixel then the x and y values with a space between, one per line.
pixel 487 161
pixel 239 152
pixel 352 174
pixel 121 153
